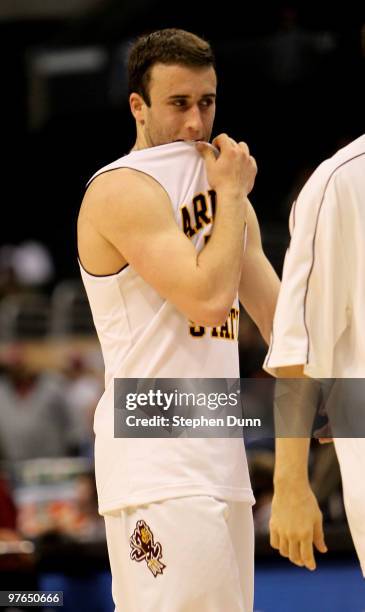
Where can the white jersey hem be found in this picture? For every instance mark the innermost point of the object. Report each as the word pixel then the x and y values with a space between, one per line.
pixel 149 496
pixel 309 369
pixel 283 361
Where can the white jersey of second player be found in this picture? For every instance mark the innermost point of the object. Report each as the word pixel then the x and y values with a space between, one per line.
pixel 319 319
pixel 144 336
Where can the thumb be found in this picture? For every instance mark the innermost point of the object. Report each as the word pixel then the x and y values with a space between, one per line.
pixel 318 537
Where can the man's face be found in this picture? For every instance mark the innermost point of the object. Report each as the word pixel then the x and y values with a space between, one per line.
pixel 182 104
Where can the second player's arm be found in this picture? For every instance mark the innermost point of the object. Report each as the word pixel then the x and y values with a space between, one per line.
pixel 296 520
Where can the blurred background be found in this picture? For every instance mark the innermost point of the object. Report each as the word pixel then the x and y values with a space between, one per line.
pixel 291 83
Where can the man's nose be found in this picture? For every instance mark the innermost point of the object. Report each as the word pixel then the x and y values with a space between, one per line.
pixel 194 121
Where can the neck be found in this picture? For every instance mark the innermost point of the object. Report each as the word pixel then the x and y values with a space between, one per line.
pixel 142 140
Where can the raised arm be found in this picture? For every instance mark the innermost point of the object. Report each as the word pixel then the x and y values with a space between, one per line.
pixel 132 212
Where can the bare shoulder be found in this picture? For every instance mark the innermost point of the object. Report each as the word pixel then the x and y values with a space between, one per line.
pixel 119 210
pixel 120 192
pixel 120 177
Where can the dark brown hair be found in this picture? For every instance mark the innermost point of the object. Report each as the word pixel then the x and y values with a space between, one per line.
pixel 168 46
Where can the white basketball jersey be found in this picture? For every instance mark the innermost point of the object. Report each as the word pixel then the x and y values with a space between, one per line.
pixel 144 336
pixel 319 319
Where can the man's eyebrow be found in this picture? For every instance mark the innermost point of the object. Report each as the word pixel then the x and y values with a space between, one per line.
pixel 186 97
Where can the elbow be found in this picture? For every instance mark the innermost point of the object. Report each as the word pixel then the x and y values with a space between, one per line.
pixel 219 316
pixel 211 313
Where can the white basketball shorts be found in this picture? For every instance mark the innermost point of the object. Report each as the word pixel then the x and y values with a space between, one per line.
pixel 189 554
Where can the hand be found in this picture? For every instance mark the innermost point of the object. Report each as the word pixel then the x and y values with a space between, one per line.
pixel 296 524
pixel 234 169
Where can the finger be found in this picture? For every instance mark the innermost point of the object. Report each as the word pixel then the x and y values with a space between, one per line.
pixel 244 147
pixel 294 552
pixel 284 546
pixel 253 163
pixel 306 554
pixel 205 150
pixel 318 537
pixel 325 440
pixel 223 140
pixel 218 140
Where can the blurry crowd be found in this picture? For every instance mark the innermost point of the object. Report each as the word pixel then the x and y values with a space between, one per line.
pixel 47 486
pixel 48 413
pixel 45 415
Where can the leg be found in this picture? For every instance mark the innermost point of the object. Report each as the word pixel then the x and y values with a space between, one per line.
pixel 241 528
pixel 196 567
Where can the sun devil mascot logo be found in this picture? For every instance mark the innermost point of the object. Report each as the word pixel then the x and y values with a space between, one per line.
pixel 144 548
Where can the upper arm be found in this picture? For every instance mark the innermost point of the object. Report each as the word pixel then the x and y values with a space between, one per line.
pixel 294 371
pixel 312 308
pixel 259 284
pixel 134 213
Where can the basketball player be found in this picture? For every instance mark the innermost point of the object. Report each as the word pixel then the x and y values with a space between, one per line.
pixel 318 333
pixel 164 300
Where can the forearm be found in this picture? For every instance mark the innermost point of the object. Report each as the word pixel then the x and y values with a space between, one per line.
pixel 259 290
pixel 291 463
pixel 267 302
pixel 295 406
pixel 219 264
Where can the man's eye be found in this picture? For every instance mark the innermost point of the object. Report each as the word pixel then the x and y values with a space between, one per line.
pixel 206 102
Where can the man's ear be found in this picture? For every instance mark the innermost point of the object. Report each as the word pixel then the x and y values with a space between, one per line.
pixel 137 106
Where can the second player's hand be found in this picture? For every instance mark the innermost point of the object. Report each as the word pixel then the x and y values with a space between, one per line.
pixel 296 525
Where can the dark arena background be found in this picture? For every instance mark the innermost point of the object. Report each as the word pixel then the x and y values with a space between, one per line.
pixel 291 84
